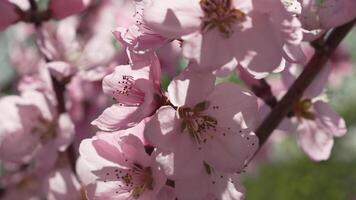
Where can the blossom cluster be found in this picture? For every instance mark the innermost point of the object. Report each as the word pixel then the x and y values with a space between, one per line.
pixel 92 118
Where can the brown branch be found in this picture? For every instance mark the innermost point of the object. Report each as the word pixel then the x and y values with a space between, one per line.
pixel 33 5
pixel 263 90
pixel 59 89
pixel 295 92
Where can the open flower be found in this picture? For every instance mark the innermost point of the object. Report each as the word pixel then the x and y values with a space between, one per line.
pixel 64 8
pixel 206 125
pixel 317 124
pixel 32 122
pixel 255 34
pixel 136 90
pixel 136 34
pixel 122 168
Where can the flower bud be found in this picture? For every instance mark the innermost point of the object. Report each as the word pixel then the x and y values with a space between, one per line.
pixel 64 8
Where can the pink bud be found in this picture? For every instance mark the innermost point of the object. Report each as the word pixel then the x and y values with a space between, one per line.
pixel 64 8
pixel 8 14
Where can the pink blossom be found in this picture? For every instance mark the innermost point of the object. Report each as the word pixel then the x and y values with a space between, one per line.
pixel 122 168
pixel 24 59
pixel 63 42
pixel 63 8
pixel 31 184
pixel 206 125
pixel 137 35
pixel 81 105
pixel 40 81
pixel 170 56
pixel 8 14
pixel 205 30
pixel 317 16
pixel 17 121
pixel 33 122
pixel 136 90
pixel 317 124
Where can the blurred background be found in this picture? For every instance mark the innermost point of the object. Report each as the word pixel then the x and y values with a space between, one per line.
pixel 281 171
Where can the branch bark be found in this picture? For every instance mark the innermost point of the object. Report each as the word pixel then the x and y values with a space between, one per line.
pixel 295 92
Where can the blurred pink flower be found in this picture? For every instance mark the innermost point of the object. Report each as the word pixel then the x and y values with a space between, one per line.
pixel 60 9
pixel 122 168
pixel 318 16
pixel 31 120
pixel 59 184
pixel 341 64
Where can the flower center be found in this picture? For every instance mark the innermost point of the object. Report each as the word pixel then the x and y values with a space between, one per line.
pixel 46 131
pixel 127 93
pixel 135 181
pixel 221 15
pixel 198 124
pixel 302 109
pixel 27 183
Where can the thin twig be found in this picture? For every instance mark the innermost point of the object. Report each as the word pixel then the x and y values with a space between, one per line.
pixel 59 89
pixel 33 5
pixel 295 92
pixel 263 90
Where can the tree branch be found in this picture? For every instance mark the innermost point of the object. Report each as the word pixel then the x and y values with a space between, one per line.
pixel 263 90
pixel 295 92
pixel 59 89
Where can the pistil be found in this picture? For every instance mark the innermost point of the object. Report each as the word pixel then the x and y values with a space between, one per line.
pixel 220 14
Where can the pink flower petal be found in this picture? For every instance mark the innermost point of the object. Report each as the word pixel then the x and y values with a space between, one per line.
pixel 332 121
pixel 117 117
pixel 61 70
pixel 65 132
pixel 64 8
pixel 236 108
pixel 314 141
pixel 335 13
pixel 259 54
pixel 161 127
pixel 186 89
pixel 205 49
pixel 230 150
pixel 173 18
pixel 89 153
